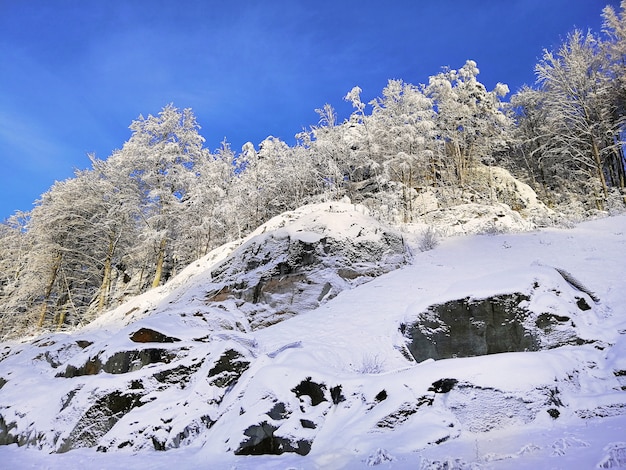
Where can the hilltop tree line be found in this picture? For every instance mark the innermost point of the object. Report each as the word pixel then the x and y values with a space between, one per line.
pixel 163 200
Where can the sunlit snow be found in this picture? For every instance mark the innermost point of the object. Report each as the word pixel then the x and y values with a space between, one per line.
pixel 495 416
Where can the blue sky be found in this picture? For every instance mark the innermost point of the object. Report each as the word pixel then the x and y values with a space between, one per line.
pixel 75 73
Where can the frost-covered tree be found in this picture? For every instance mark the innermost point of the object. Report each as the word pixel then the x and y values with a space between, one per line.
pixel 360 163
pixel 14 247
pixel 74 239
pixel 69 249
pixel 402 120
pixel 252 188
pixel 302 180
pixel 324 146
pixel 211 217
pixel 575 96
pixel 159 159
pixel 531 142
pixel 470 123
pixel 274 179
pixel 116 213
pixel 614 47
pixel 402 127
pixel 295 177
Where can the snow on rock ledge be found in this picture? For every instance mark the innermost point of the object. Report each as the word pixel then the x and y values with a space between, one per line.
pixel 496 203
pixel 473 218
pixel 302 258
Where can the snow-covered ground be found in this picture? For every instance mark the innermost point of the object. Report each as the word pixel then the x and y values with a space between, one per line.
pixel 563 406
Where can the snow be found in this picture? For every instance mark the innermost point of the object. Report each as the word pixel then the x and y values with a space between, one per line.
pixel 495 418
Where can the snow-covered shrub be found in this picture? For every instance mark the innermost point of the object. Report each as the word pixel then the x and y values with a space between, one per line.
pixel 560 446
pixel 378 457
pixel 615 456
pixel 491 228
pixel 449 464
pixel 616 204
pixel 371 364
pixel 428 240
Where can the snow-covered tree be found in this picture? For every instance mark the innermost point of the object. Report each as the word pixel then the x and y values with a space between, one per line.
pixel 614 28
pixel 160 159
pixel 14 248
pixel 360 164
pixel 211 218
pixel 470 123
pixel 531 142
pixel 573 82
pixel 325 147
pixel 116 213
pixel 75 237
pixel 615 49
pixel 295 178
pixel 274 179
pixel 402 128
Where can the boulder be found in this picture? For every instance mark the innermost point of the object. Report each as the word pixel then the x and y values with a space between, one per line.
pixel 148 335
pixel 228 368
pixel 262 440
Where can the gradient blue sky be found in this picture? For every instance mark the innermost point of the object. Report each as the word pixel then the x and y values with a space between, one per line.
pixel 75 73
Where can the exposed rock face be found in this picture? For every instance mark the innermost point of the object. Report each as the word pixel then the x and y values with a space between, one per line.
pixel 99 419
pixel 297 266
pixel 7 434
pixel 502 323
pixel 228 368
pixel 263 441
pixel 466 327
pixel 120 362
pixel 268 436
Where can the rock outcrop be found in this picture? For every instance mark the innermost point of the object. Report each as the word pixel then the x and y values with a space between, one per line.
pixel 293 266
pixel 515 322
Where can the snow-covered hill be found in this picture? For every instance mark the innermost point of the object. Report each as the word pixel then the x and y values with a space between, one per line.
pixel 324 341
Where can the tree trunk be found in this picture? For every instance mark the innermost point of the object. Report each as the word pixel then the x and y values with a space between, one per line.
pixel 159 263
pixel 598 162
pixel 620 164
pixel 61 318
pixel 460 167
pixel 105 288
pixel 48 290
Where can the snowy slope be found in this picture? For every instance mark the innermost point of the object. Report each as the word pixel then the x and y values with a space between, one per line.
pixel 336 381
